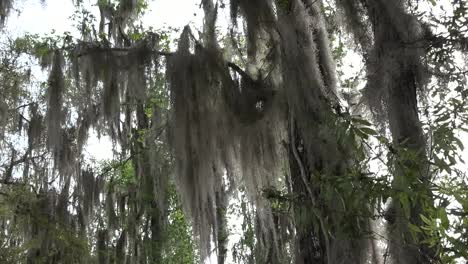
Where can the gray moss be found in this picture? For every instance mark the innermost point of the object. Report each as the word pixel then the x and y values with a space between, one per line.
pixel 5 7
pixel 353 20
pixel 212 137
pixel 55 114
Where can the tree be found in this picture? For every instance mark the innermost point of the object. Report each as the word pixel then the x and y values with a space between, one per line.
pixel 254 116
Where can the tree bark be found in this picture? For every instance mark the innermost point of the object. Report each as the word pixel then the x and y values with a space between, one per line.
pixel 310 246
pixel 395 65
pixel 308 79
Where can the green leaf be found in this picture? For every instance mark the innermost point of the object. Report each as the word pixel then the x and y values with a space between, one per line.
pixel 368 131
pixel 443 118
pixel 360 133
pixel 459 143
pixel 426 220
pixel 443 218
pixel 414 228
pixel 405 204
pixel 361 121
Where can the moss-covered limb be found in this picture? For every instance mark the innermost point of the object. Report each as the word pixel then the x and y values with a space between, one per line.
pixel 205 96
pixel 326 62
pixel 249 99
pixel 209 27
pixel 5 7
pixel 316 124
pixel 118 16
pixel 260 21
pixel 92 49
pixel 55 115
pixel 355 22
pixel 396 73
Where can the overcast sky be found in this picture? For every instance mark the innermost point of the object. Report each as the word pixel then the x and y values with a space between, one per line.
pixel 35 17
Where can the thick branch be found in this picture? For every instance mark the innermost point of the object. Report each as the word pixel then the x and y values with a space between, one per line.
pixel 118 51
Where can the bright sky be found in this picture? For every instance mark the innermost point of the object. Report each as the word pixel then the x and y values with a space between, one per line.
pixel 35 17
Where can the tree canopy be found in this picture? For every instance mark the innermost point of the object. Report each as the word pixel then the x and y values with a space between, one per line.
pixel 299 131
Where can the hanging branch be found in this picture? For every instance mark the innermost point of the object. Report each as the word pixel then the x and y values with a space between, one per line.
pixel 123 51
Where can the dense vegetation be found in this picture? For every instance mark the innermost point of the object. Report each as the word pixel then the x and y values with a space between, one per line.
pixel 252 142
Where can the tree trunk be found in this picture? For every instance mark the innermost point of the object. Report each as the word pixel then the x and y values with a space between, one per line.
pixel 310 246
pixel 395 66
pixel 308 79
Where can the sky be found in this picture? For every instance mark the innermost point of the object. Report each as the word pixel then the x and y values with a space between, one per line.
pixel 35 17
